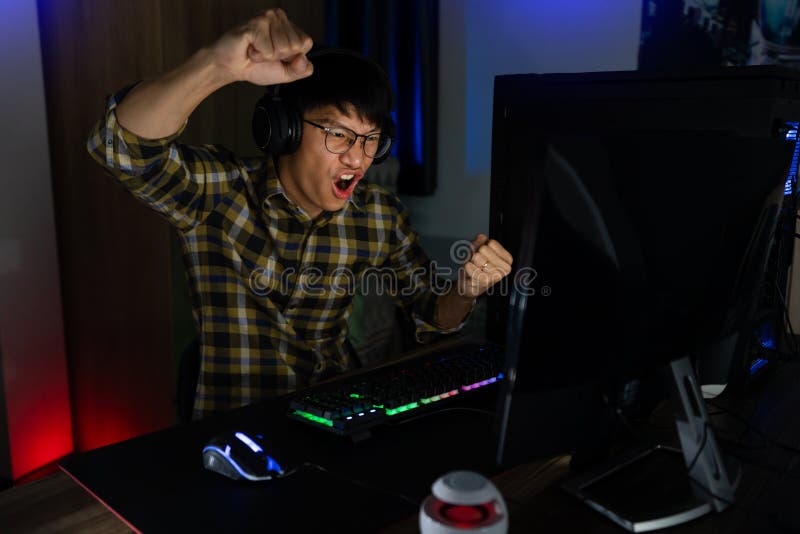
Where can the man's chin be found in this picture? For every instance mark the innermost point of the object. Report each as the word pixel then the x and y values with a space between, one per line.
pixel 336 205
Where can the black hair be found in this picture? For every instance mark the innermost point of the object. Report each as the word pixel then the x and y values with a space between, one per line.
pixel 342 78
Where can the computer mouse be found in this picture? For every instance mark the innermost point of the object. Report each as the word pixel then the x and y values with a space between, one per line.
pixel 240 455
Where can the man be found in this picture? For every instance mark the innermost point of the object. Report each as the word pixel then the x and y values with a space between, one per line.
pixel 269 242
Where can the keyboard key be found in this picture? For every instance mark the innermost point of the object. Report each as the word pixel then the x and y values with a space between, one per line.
pixel 404 389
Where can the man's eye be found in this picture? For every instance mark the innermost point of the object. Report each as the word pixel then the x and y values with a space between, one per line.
pixel 339 134
pixel 374 138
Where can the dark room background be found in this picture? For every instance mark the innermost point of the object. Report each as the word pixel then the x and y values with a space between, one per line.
pixel 93 307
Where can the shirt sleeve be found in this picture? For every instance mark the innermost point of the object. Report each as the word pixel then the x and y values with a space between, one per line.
pixel 183 183
pixel 418 284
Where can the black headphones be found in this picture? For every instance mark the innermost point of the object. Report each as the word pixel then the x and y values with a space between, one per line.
pixel 278 125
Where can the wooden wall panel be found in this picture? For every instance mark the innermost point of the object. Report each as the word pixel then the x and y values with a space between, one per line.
pixel 112 250
pixel 188 25
pixel 117 267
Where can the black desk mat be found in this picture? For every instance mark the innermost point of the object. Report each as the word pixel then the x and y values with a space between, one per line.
pixel 157 482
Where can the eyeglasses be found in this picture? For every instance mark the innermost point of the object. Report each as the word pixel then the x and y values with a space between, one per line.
pixel 339 139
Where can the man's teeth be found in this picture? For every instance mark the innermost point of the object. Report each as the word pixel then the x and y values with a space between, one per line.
pixel 347 177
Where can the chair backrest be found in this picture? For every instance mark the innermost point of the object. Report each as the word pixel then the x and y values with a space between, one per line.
pixel 188 374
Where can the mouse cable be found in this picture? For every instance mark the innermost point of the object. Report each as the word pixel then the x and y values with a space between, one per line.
pixel 365 485
pixel 773 520
pixel 702 446
pixel 789 472
pixel 750 426
pixel 733 504
pixel 730 443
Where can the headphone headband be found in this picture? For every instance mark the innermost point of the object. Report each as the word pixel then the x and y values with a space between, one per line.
pixel 278 124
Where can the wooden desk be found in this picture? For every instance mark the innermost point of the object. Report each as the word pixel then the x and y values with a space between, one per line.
pixel 536 502
pixel 55 503
pixel 58 504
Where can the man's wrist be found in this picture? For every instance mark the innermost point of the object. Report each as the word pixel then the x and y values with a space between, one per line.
pixel 452 308
pixel 459 296
pixel 208 74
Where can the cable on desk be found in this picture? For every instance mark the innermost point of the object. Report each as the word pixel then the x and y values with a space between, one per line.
pixel 728 442
pixel 774 521
pixel 703 442
pixel 791 473
pixel 750 426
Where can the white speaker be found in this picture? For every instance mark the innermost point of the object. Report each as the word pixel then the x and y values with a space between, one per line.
pixel 463 501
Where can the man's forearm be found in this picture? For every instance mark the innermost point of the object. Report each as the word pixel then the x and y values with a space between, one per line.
pixel 451 309
pixel 158 108
pixel 267 50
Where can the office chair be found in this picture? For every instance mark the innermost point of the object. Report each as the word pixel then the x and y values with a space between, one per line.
pixel 188 374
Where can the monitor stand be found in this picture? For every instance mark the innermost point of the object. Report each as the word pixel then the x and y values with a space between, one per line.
pixel 662 486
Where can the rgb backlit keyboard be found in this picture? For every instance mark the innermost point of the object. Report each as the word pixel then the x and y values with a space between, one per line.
pixel 393 392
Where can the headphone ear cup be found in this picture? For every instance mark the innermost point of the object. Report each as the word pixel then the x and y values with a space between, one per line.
pixel 277 127
pixel 391 133
pixel 294 129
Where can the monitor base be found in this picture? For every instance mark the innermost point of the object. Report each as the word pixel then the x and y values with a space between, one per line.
pixel 647 490
pixel 661 486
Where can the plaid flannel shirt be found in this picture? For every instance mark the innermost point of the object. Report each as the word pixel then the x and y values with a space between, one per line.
pixel 271 288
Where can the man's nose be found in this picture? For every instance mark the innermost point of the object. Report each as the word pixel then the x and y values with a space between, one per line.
pixel 352 158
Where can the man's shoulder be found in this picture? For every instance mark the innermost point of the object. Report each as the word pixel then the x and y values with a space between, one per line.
pixel 254 162
pixel 251 164
pixel 223 155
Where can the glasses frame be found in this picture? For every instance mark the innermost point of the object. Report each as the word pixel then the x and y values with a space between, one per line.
pixel 328 129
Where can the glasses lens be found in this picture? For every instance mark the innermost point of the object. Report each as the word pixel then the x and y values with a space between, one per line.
pixel 376 146
pixel 339 140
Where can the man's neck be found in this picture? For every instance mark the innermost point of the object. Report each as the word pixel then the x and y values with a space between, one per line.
pixel 294 194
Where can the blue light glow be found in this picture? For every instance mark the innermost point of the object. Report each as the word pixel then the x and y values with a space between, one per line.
pixel 332 22
pixel 272 465
pixel 521 36
pixel 392 71
pixel 366 23
pixel 766 336
pixel 417 100
pixel 758 364
pixel 249 442
pixel 791 135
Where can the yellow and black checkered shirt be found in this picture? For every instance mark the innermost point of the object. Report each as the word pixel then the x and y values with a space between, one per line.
pixel 272 288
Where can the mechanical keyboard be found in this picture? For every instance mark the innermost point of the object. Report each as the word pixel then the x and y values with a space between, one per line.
pixel 395 391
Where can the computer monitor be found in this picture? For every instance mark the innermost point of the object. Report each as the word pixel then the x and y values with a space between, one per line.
pixel 642 209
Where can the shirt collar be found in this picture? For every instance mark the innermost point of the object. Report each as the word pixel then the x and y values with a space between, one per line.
pixel 272 186
pixel 357 198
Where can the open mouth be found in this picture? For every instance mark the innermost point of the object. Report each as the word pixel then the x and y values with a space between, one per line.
pixel 344 182
pixel 344 185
